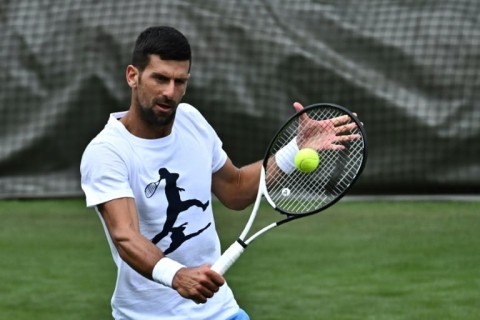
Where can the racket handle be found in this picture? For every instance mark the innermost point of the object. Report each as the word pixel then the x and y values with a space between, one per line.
pixel 228 258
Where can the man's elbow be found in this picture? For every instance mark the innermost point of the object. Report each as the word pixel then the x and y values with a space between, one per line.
pixel 235 203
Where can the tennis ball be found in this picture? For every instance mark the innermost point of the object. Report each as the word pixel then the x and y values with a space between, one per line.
pixel 307 160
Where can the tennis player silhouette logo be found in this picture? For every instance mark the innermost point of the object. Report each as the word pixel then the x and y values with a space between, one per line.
pixel 175 206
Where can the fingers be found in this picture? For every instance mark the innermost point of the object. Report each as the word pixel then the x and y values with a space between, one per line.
pixel 348 138
pixel 341 120
pixel 210 286
pixel 198 284
pixel 297 106
pixel 326 134
pixel 203 294
pixel 216 277
pixel 345 128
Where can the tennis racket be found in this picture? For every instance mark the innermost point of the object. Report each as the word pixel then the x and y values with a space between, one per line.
pixel 340 140
pixel 152 187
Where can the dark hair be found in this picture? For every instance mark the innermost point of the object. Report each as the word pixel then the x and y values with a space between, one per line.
pixel 166 42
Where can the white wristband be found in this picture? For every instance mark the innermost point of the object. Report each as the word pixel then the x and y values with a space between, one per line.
pixel 165 270
pixel 285 157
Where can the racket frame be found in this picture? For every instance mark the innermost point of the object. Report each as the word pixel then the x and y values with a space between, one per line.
pixel 236 249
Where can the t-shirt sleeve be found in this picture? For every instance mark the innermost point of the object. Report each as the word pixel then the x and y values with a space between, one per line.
pixel 219 156
pixel 104 174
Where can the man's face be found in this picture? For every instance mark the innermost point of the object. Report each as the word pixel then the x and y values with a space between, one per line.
pixel 159 89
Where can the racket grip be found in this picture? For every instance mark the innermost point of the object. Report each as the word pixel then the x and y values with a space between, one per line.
pixel 228 258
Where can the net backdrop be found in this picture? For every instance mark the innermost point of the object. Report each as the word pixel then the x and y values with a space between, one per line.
pixel 409 68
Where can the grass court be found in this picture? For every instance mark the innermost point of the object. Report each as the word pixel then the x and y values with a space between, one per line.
pixel 357 260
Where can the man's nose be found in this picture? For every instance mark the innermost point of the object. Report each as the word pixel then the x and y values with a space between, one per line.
pixel 169 89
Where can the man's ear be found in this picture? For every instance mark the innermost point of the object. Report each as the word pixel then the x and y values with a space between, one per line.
pixel 132 75
pixel 186 86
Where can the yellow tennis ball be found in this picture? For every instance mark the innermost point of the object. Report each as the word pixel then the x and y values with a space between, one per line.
pixel 307 160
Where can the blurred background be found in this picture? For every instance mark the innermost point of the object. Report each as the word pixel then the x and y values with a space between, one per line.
pixel 409 68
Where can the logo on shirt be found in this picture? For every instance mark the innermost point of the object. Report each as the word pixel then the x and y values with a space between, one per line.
pixel 175 206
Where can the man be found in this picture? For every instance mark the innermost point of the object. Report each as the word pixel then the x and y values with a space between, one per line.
pixel 150 174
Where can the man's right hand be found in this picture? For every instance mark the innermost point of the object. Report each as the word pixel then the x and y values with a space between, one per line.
pixel 198 283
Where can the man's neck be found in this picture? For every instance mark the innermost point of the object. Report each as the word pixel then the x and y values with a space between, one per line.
pixel 141 129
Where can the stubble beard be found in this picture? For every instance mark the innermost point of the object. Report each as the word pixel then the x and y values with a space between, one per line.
pixel 148 115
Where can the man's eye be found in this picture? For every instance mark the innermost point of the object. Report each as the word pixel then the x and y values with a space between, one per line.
pixel 161 79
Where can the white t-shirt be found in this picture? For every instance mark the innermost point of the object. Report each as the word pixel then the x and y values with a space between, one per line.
pixel 170 176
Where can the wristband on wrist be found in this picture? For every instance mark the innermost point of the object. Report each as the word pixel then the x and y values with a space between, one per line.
pixel 285 157
pixel 165 270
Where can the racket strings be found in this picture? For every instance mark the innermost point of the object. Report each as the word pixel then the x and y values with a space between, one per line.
pixel 297 192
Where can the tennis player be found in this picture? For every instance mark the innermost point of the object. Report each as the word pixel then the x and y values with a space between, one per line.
pixel 149 174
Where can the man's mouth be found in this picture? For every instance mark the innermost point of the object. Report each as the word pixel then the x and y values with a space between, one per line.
pixel 163 106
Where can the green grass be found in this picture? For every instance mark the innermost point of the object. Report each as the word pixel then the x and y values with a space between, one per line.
pixel 357 260
pixel 54 262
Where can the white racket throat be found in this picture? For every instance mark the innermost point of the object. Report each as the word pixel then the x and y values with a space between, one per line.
pixel 262 191
pixel 230 255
